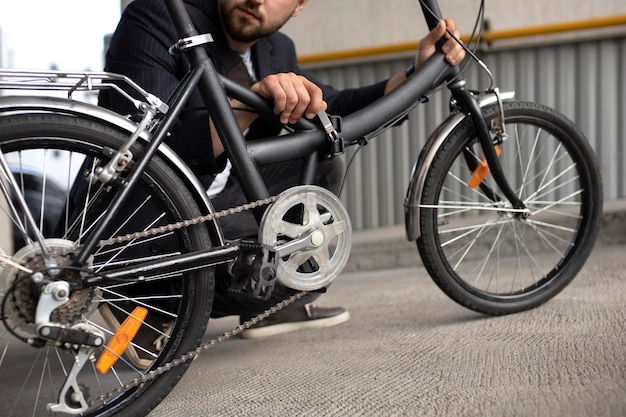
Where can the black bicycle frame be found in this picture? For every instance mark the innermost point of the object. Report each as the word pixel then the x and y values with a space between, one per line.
pixel 306 142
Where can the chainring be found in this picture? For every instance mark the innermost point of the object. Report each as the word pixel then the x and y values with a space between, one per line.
pixel 301 211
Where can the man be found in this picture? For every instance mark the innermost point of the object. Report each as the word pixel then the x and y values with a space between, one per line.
pixel 250 28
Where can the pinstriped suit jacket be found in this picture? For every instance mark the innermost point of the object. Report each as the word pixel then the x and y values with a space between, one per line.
pixel 139 50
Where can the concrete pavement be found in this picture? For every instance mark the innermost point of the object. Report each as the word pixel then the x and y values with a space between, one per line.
pixel 408 350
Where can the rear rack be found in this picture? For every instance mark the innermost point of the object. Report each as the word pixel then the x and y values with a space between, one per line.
pixel 73 81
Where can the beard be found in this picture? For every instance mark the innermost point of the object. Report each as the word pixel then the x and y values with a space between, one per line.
pixel 243 30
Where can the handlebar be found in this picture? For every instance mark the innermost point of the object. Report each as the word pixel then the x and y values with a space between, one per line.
pixel 354 126
pixel 262 105
pixel 432 13
pixel 359 123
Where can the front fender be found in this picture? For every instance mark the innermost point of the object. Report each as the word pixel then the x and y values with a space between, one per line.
pixel 43 104
pixel 422 165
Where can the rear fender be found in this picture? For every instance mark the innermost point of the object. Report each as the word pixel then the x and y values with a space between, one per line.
pixel 43 104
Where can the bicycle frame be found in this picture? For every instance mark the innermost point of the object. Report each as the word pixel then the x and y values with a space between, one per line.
pixel 136 227
pixel 307 140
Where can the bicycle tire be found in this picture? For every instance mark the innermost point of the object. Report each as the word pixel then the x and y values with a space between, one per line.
pixel 181 300
pixel 499 262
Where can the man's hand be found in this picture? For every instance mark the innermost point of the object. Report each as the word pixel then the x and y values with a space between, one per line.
pixel 454 52
pixel 293 95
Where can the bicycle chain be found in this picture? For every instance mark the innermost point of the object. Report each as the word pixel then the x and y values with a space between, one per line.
pixel 186 223
pixel 196 352
pixel 213 342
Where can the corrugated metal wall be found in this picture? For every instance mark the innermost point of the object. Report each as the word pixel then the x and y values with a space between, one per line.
pixel 584 80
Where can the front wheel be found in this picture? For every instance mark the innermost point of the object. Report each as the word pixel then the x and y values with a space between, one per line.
pixel 478 249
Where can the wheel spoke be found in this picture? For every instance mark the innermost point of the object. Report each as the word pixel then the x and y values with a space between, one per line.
pixel 530 161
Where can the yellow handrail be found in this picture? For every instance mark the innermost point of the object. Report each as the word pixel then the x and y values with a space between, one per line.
pixel 488 36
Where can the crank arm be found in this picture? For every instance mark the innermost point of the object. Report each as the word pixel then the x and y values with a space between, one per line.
pixel 311 240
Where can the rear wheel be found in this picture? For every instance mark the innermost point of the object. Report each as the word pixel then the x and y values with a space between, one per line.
pixel 479 250
pixel 49 155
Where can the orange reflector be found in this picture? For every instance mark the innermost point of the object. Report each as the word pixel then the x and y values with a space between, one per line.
pixel 481 171
pixel 121 339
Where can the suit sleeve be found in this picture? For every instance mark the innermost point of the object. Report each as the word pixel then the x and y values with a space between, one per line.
pixel 139 50
pixel 349 100
pixel 340 102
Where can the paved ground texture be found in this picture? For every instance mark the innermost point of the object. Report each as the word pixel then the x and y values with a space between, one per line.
pixel 408 350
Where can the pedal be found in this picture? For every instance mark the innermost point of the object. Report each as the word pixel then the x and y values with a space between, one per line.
pixel 254 272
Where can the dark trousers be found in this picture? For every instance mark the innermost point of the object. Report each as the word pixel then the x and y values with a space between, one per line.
pixel 278 178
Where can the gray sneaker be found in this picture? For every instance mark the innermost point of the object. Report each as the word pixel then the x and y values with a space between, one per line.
pixel 299 318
